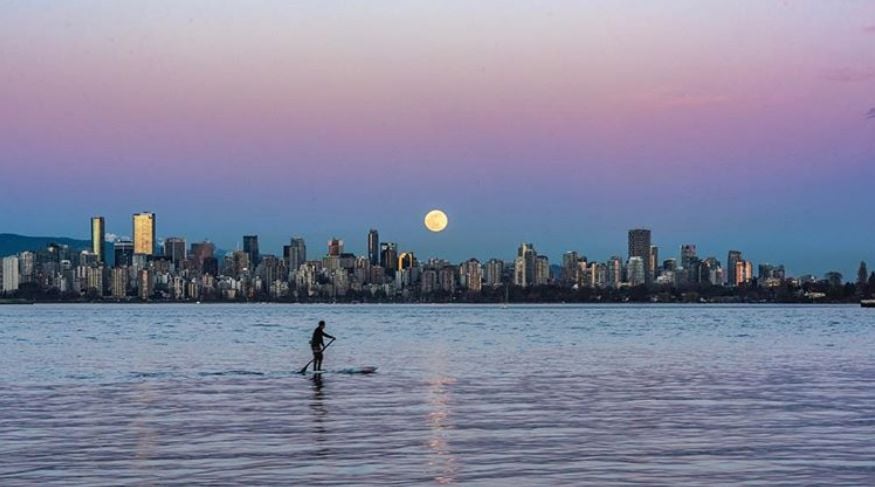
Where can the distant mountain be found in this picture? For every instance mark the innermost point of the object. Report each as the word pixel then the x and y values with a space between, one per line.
pixel 11 243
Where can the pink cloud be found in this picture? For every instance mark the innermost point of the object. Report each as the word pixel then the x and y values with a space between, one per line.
pixel 869 29
pixel 849 75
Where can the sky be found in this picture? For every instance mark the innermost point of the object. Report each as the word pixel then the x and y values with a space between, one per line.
pixel 732 125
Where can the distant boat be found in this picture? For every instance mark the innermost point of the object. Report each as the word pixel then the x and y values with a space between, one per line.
pixel 868 303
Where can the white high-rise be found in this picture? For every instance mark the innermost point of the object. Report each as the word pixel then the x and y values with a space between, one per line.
pixel 11 275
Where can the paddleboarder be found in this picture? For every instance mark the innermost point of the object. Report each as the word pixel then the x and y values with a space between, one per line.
pixel 317 343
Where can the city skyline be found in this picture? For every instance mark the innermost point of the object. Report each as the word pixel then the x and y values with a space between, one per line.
pixel 563 124
pixel 636 240
pixel 143 271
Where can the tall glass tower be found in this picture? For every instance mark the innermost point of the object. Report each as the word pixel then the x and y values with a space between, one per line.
pixel 98 235
pixel 144 233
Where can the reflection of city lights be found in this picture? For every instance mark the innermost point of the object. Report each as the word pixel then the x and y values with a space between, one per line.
pixel 439 420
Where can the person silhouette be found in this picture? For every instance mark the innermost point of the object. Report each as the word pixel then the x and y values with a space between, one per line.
pixel 317 343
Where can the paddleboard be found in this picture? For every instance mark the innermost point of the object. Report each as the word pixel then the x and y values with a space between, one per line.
pixel 348 371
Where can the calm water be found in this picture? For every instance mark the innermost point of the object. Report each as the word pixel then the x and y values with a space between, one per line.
pixel 557 395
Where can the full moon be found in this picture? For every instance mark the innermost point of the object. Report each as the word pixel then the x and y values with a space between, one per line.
pixel 436 220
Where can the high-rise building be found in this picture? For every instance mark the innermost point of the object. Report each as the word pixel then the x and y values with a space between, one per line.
pixel 389 257
pixel 471 275
pixel 524 265
pixel 200 252
pixel 743 272
pixel 145 284
pixel 406 260
pixel 119 283
pixel 494 272
pixel 174 249
pixel 27 266
pixel 335 246
pixel 144 233
pixel 635 271
pixel 98 236
pixel 653 263
pixel 11 276
pixel 614 271
pixel 732 260
pixel 374 247
pixel 250 246
pixel 639 246
pixel 124 253
pixel 570 268
pixel 542 270
pixel 688 253
pixel 297 253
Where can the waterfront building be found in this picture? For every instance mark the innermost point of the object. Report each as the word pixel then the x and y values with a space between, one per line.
pixel 335 247
pixel 542 271
pixel 406 260
pixel 653 262
pixel 11 274
pixel 470 275
pixel 296 254
pixel 639 246
pixel 123 252
pixel 98 237
pixel 743 272
pixel 144 233
pixel 374 247
pixel 447 279
pixel 174 249
pixel 732 260
pixel 494 272
pixel 145 284
pixel 688 253
pixel 524 265
pixel 636 272
pixel 250 246
pixel 27 267
pixel 615 272
pixel 570 268
pixel 389 257
pixel 119 282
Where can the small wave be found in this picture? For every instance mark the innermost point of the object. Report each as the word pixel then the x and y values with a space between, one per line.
pixel 230 372
pixel 148 375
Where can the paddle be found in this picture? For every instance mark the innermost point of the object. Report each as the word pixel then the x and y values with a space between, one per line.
pixel 312 359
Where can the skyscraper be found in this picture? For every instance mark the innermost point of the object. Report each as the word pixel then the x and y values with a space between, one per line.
pixel 494 272
pixel 389 257
pixel 639 246
pixel 297 253
pixel 10 274
pixel 732 261
pixel 374 247
pixel 124 252
pixel 98 236
pixel 653 262
pixel 406 260
pixel 688 254
pixel 335 246
pixel 144 233
pixel 635 270
pixel 524 265
pixel 250 246
pixel 570 268
pixel 174 249
pixel 200 252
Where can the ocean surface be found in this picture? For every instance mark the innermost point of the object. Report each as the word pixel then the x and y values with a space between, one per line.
pixel 470 395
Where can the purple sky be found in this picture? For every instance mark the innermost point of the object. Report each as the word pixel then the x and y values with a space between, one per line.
pixel 725 124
